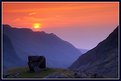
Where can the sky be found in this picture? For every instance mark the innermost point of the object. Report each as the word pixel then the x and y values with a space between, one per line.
pixel 83 24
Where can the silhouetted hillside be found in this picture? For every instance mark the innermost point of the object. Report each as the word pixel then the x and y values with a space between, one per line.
pixel 59 53
pixel 10 58
pixel 102 60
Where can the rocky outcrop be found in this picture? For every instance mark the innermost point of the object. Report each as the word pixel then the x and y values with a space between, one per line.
pixel 36 63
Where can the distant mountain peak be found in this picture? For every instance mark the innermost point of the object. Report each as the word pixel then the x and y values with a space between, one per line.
pixel 6 25
pixel 27 29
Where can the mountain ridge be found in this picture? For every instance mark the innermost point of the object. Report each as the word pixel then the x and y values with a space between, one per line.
pixel 27 42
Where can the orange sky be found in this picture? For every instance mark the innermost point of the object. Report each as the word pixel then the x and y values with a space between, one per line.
pixel 53 15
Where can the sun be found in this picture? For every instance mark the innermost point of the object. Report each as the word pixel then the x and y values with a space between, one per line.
pixel 37 26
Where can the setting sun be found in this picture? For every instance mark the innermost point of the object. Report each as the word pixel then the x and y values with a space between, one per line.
pixel 37 25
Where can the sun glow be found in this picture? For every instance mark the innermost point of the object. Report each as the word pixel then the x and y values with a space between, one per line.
pixel 37 25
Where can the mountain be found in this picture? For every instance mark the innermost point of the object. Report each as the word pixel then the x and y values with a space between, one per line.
pixel 10 58
pixel 58 53
pixel 102 60
pixel 83 50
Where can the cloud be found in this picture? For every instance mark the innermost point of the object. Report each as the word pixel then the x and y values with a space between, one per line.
pixel 32 13
pixel 17 20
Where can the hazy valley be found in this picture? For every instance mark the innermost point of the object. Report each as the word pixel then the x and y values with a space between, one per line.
pixel 19 43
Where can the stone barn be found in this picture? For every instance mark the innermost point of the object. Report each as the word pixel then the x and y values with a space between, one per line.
pixel 36 63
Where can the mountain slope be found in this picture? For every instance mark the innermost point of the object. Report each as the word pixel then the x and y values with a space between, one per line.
pixel 83 50
pixel 103 59
pixel 10 58
pixel 58 53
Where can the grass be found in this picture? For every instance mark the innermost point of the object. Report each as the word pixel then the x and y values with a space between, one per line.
pixel 40 74
pixel 24 72
pixel 20 69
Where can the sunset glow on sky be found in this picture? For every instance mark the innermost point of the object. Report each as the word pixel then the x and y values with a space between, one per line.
pixel 84 24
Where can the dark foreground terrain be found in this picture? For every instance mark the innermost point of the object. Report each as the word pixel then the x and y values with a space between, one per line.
pixel 46 73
